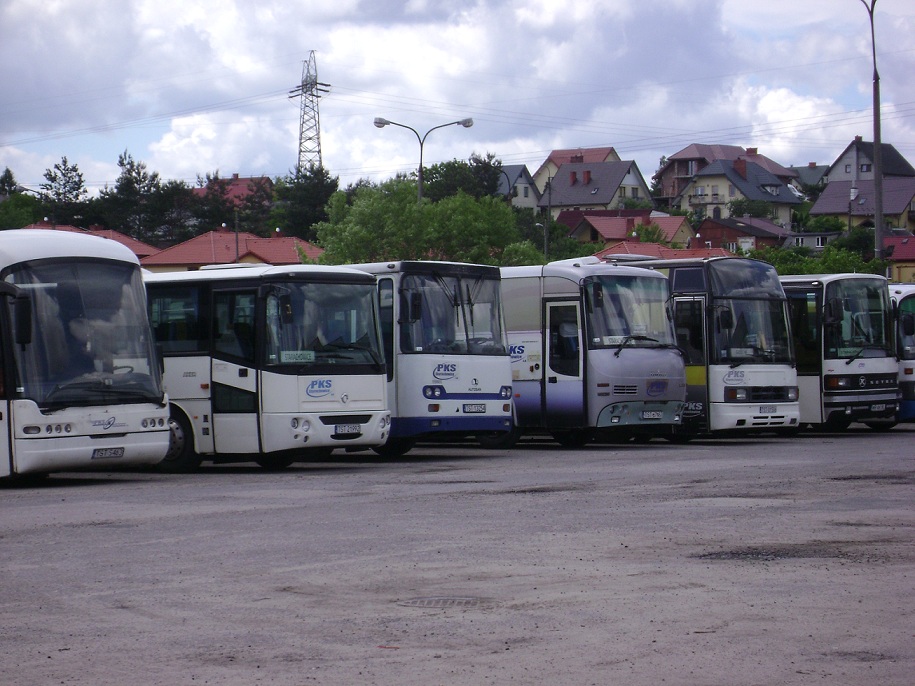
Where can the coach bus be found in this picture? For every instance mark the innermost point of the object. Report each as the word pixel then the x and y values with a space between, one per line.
pixel 731 320
pixel 593 352
pixel 449 373
pixel 844 334
pixel 80 385
pixel 270 363
pixel 903 296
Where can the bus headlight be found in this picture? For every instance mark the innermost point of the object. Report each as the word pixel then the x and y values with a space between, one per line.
pixel 735 395
pixel 433 391
pixel 792 393
pixel 505 392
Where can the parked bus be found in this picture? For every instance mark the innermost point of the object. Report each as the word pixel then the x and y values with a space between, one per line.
pixel 80 385
pixel 846 354
pixel 279 363
pixel 449 373
pixel 903 296
pixel 731 320
pixel 593 351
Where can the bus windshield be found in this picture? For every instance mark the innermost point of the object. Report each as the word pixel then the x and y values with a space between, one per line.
pixel 906 343
pixel 627 311
pixel 322 323
pixel 90 342
pixel 750 331
pixel 451 314
pixel 857 319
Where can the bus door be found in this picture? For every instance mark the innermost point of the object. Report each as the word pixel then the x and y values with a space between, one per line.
pixel 804 314
pixel 234 381
pixel 690 327
pixel 564 397
pixel 5 433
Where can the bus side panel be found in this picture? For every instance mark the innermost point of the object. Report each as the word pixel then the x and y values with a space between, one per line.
pixel 527 376
pixel 810 397
pixel 5 443
pixel 235 427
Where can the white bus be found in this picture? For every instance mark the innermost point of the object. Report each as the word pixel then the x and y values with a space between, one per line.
pixel 269 363
pixel 80 384
pixel 731 320
pixel 846 352
pixel 903 295
pixel 593 351
pixel 449 373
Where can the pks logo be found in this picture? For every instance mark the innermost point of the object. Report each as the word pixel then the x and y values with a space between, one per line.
pixel 445 371
pixel 319 388
pixel 657 387
pixel 734 378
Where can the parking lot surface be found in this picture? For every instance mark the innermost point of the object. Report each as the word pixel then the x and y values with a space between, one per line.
pixel 730 561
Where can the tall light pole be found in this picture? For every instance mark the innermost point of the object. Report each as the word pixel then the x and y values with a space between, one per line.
pixel 878 147
pixel 381 122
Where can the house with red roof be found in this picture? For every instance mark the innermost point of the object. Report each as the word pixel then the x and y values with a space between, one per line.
pixel 139 248
pixel 237 188
pixel 590 186
pixel 741 233
pixel 610 227
pixel 900 252
pixel 225 246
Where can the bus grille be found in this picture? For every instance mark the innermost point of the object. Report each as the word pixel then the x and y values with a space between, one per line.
pixel 346 419
pixel 760 394
pixel 625 390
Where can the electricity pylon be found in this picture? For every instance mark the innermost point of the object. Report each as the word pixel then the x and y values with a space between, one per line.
pixel 308 92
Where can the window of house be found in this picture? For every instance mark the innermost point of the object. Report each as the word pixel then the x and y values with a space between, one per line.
pixel 732 246
pixel 821 241
pixel 700 190
pixel 622 191
pixel 714 189
pixel 848 169
pixel 798 241
pixel 635 192
pixel 527 191
pixel 865 167
pixel 731 190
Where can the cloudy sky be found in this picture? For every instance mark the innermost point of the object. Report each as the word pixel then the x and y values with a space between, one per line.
pixel 192 87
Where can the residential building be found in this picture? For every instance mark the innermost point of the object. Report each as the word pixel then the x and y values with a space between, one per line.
pixel 853 202
pixel 557 158
pixel 900 252
pixel 595 228
pixel 678 170
pixel 856 163
pixel 594 186
pixel 237 188
pixel 723 181
pixel 744 234
pixel 811 176
pixel 517 180
pixel 815 241
pixel 227 247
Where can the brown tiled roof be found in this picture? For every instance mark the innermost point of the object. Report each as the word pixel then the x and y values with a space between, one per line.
pixel 903 248
pixel 222 247
pixel 238 187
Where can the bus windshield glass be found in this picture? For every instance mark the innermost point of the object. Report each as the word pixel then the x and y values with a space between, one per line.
pixel 750 331
pixel 628 311
pixel 857 319
pixel 322 323
pixel 451 314
pixel 906 343
pixel 90 341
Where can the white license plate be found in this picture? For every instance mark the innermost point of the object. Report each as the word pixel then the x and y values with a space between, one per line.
pixel 652 414
pixel 474 408
pixel 107 453
pixel 347 429
pixel 767 409
pixel 879 407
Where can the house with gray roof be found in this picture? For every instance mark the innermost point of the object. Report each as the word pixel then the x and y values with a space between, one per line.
pixel 723 181
pixel 856 207
pixel 594 186
pixel 856 163
pixel 517 181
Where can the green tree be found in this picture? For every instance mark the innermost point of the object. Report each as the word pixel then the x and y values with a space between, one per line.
pixel 478 177
pixel 18 210
pixel 213 207
pixel 824 224
pixel 743 207
pixel 64 192
pixel 129 206
pixel 651 233
pixel 301 200
pixel 8 184
pixel 173 207
pixel 468 229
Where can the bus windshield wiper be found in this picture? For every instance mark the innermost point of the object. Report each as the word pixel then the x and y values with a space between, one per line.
pixel 633 337
pixel 866 346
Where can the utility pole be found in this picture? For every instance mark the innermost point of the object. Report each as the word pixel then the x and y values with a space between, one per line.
pixel 308 92
pixel 878 146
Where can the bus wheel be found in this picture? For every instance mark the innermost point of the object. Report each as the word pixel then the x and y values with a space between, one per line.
pixel 275 463
pixel 395 447
pixel 180 458
pixel 498 440
pixel 679 437
pixel 880 426
pixel 572 439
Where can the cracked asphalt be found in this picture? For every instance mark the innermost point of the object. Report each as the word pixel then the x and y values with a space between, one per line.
pixel 731 561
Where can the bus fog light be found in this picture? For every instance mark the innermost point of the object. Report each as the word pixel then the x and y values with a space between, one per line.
pixel 434 407
pixel 615 420
pixel 68 429
pixel 294 423
pixel 144 423
pixel 31 430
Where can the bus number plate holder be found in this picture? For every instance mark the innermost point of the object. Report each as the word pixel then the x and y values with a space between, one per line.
pixel 767 409
pixel 346 429
pixel 107 453
pixel 879 407
pixel 474 408
pixel 652 414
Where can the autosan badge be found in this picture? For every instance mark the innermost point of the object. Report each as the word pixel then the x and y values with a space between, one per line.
pixel 445 371
pixel 319 388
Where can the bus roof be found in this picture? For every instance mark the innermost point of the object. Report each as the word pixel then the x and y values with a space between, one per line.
pixel 262 272
pixel 578 268
pixel 20 245
pixel 809 279
pixel 427 267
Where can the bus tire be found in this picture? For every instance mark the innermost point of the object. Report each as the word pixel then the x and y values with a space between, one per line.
pixel 181 457
pixel 880 426
pixel 395 447
pixel 275 463
pixel 575 438
pixel 500 440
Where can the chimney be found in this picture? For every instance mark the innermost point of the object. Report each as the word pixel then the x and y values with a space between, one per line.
pixel 586 174
pixel 740 166
pixel 858 139
pixel 812 165
pixel 573 178
pixel 752 151
pixel 235 176
pixel 577 158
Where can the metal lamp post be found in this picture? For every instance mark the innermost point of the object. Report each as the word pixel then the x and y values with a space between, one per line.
pixel 381 122
pixel 878 148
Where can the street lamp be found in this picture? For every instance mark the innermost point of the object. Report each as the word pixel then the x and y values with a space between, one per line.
pixel 381 122
pixel 878 151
